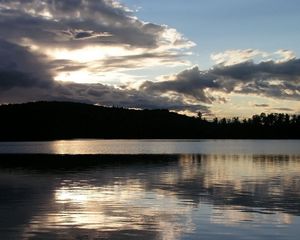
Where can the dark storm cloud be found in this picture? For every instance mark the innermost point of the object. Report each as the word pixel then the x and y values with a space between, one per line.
pixel 62 23
pixel 271 79
pixel 21 68
pixel 99 94
pixel 246 71
pixel 191 82
pixel 135 99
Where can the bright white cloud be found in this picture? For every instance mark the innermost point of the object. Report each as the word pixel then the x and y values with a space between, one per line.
pixel 285 55
pixel 232 57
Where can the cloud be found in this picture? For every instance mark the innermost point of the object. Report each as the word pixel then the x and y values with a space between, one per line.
pixel 99 94
pixel 21 68
pixel 26 76
pixel 232 57
pixel 58 22
pixel 286 55
pixel 284 109
pixel 236 56
pixel 261 105
pixel 79 34
pixel 46 39
pixel 89 41
pixel 106 27
pixel 191 82
pixel 269 79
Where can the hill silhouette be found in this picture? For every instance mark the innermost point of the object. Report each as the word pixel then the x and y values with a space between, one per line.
pixel 68 120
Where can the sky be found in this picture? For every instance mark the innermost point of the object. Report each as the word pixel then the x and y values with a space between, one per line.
pixel 222 58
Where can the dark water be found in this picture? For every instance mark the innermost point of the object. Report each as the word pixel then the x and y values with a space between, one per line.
pixel 242 194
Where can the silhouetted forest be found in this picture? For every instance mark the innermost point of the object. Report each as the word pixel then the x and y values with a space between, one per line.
pixel 67 120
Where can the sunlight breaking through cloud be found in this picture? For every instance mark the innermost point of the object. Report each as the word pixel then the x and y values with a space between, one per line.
pixel 99 52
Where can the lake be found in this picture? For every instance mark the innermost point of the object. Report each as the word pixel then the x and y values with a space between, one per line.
pixel 151 189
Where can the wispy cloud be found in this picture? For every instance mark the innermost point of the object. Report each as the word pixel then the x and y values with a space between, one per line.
pixel 236 56
pixel 232 57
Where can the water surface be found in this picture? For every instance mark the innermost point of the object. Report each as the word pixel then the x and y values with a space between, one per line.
pixel 154 147
pixel 214 194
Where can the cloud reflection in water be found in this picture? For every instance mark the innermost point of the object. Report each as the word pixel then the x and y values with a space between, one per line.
pixel 193 195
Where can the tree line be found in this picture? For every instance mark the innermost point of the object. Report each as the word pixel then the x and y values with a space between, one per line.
pixel 272 125
pixel 68 120
pixel 263 119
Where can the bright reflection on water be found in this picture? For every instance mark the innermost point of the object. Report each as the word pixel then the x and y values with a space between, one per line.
pixel 94 146
pixel 203 196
